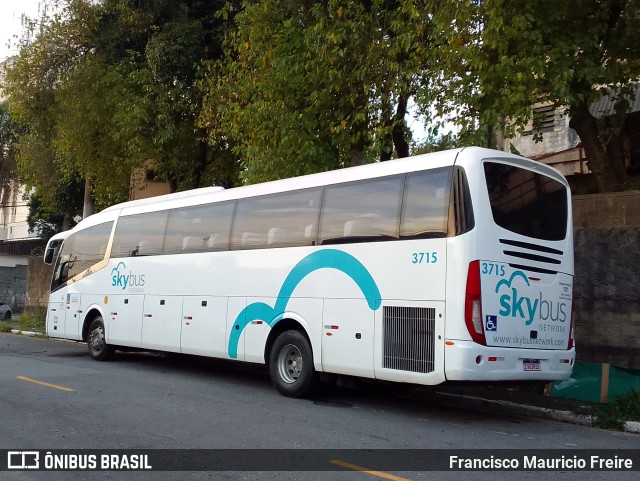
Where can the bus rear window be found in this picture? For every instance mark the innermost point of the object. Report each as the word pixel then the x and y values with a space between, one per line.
pixel 525 202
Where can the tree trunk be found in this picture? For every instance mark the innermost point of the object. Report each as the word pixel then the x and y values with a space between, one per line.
pixel 604 155
pixel 358 148
pixel 200 165
pixel 400 134
pixel 386 147
pixel 87 206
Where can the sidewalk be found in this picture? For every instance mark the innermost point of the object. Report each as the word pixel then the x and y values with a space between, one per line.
pixel 524 400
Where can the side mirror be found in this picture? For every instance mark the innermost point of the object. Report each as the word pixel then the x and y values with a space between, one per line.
pixel 50 252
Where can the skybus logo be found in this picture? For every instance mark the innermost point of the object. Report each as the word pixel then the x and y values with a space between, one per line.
pixel 524 307
pixel 118 279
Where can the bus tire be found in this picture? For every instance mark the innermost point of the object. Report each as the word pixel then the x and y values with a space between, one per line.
pixel 291 365
pixel 97 341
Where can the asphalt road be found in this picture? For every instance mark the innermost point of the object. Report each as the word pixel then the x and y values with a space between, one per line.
pixel 151 401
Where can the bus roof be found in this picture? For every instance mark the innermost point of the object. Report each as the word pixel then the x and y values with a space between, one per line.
pixel 379 169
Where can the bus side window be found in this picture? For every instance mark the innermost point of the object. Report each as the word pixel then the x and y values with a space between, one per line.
pixel 276 220
pixel 212 241
pixel 361 211
pixel 147 248
pixel 425 206
pixel 80 251
pixel 199 228
pixel 139 234
pixel 192 243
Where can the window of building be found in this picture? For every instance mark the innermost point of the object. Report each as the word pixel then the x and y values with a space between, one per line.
pixel 543 120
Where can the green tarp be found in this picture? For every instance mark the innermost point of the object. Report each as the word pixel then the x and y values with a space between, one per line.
pixel 586 380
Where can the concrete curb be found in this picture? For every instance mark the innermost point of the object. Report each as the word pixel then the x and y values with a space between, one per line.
pixel 463 400
pixel 26 333
pixel 632 427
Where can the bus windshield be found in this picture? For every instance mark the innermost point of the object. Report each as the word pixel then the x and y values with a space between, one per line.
pixel 527 203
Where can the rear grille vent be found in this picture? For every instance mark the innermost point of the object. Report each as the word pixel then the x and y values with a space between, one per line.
pixel 533 247
pixel 537 257
pixel 532 257
pixel 409 338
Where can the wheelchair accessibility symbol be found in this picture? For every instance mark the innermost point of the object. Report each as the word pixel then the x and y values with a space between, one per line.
pixel 491 323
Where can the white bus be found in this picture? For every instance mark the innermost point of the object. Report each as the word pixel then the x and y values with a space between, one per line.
pixel 455 265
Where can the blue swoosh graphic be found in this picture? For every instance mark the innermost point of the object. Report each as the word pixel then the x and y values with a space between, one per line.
pixel 508 283
pixel 324 259
pixel 117 268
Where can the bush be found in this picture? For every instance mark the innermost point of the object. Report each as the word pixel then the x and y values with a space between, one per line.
pixel 614 415
pixel 35 320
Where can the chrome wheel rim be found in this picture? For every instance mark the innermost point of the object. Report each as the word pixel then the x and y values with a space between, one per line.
pixel 290 363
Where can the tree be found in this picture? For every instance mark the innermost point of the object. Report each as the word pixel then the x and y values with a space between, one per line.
pixel 316 85
pixel 105 86
pixel 58 213
pixel 500 57
pixel 7 154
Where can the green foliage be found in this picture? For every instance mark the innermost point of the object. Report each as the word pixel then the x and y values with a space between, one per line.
pixel 8 131
pixel 614 415
pixel 500 57
pixel 53 214
pixel 224 92
pixel 314 86
pixel 107 85
pixel 35 320
pixel 436 143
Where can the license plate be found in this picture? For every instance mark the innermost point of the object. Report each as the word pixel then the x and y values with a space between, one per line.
pixel 531 365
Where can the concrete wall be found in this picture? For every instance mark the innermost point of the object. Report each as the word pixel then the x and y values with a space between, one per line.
pixel 607 282
pixel 38 283
pixel 617 209
pixel 607 295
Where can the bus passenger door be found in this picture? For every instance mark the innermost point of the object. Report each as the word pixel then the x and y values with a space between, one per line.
pixel 348 337
pixel 161 322
pixel 72 315
pixel 124 320
pixel 56 315
pixel 204 326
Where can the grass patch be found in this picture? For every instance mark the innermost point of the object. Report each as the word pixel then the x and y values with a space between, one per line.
pixel 4 327
pixel 614 415
pixel 34 321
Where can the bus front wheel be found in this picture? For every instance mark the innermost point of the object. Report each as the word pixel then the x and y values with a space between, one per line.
pixel 291 365
pixel 97 341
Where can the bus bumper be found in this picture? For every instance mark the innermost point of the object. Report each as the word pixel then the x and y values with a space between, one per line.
pixel 468 361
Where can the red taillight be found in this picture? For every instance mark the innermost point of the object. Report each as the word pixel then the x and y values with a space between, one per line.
pixel 473 304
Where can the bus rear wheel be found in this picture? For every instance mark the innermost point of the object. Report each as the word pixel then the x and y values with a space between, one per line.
pixel 291 365
pixel 97 341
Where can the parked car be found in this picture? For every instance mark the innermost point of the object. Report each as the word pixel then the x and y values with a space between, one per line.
pixel 5 311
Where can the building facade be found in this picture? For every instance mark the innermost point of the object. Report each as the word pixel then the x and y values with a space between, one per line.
pixel 561 147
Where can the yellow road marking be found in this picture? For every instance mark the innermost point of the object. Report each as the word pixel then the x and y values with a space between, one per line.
pixel 35 381
pixel 368 471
